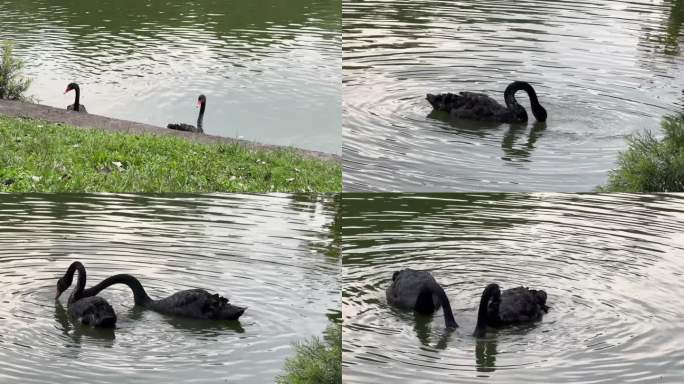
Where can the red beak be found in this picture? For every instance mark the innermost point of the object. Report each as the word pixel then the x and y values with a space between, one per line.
pixel 67 90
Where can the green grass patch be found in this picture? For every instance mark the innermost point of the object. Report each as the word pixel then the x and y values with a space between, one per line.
pixel 316 361
pixel 45 157
pixel 651 165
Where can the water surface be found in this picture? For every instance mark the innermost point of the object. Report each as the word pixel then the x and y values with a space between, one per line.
pixel 275 254
pixel 270 69
pixel 611 265
pixel 602 69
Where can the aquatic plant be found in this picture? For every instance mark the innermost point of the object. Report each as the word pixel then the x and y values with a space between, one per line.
pixel 651 165
pixel 12 83
pixel 316 361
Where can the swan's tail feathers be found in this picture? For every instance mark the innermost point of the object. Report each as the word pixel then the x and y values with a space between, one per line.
pixel 432 99
pixel 541 299
pixel 220 308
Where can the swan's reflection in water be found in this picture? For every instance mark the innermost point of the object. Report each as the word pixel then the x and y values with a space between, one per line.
pixel 515 133
pixel 205 328
pixel 512 153
pixel 485 354
pixel 425 333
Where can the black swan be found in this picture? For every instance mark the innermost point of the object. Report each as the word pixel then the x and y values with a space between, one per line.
pixel 76 106
pixel 89 310
pixel 512 306
pixel 477 106
pixel 202 103
pixel 418 290
pixel 192 303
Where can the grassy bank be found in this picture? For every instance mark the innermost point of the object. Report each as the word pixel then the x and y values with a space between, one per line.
pixel 651 165
pixel 316 361
pixel 46 157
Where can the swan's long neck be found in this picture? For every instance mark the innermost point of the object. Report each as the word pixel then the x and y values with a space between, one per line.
pixel 509 96
pixel 80 280
pixel 446 307
pixel 491 291
pixel 77 106
pixel 201 116
pixel 139 295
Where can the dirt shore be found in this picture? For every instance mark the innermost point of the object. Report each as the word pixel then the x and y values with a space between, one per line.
pixel 84 120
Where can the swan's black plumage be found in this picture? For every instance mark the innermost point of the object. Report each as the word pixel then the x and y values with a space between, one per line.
pixel 419 291
pixel 478 106
pixel 512 306
pixel 92 310
pixel 192 303
pixel 76 106
pixel 202 102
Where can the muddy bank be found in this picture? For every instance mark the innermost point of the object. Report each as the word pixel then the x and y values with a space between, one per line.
pixel 56 115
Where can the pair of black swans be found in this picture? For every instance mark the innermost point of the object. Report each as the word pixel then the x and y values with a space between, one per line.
pixel 87 308
pixel 419 291
pixel 201 103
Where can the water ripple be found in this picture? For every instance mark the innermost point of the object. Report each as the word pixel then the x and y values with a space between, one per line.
pixel 603 70
pixel 609 263
pixel 272 253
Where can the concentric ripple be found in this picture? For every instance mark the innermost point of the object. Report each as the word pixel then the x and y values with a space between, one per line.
pixel 274 254
pixel 611 265
pixel 603 70
pixel 270 69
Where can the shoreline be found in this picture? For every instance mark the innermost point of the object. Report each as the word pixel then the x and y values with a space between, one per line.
pixel 19 109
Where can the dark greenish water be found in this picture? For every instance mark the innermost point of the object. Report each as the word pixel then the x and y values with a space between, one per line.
pixel 602 69
pixel 270 69
pixel 277 255
pixel 611 264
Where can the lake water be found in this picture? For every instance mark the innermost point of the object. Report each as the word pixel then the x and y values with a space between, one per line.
pixel 602 69
pixel 270 69
pixel 611 264
pixel 275 254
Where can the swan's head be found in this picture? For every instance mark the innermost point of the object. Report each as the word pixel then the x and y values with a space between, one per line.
pixel 201 100
pixel 62 286
pixel 72 87
pixel 539 112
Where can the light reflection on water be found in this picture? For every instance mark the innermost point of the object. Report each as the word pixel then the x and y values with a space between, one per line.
pixel 275 254
pixel 603 70
pixel 611 265
pixel 270 70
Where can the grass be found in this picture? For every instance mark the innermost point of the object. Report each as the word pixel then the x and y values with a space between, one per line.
pixel 316 361
pixel 649 164
pixel 45 157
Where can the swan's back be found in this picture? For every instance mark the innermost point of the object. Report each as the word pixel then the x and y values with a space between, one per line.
pixel 81 108
pixel 94 311
pixel 198 304
pixel 184 127
pixel 412 289
pixel 468 105
pixel 518 305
